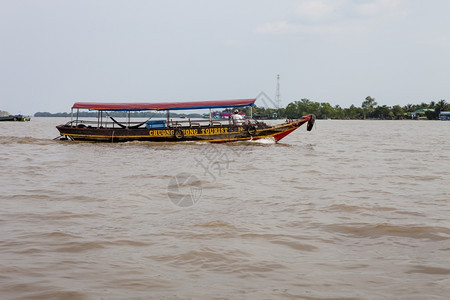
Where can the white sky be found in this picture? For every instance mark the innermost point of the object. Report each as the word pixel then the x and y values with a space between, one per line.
pixel 56 52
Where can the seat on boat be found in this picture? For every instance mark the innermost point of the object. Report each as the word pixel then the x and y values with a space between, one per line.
pixel 193 124
pixel 215 123
pixel 175 124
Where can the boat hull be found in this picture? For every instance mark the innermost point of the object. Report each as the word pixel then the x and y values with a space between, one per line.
pixel 18 118
pixel 218 134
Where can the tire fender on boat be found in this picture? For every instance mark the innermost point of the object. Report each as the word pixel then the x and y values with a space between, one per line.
pixel 251 130
pixel 311 121
pixel 179 134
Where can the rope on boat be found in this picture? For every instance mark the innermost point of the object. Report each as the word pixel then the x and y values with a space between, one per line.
pixel 114 120
pixel 124 126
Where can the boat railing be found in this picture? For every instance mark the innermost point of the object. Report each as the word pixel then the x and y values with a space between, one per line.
pixel 103 124
pixel 188 123
pixel 191 123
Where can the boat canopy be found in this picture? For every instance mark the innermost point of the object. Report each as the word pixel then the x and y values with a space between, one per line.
pixel 164 105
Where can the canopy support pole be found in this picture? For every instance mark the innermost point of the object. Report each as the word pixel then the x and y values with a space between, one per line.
pixel 71 117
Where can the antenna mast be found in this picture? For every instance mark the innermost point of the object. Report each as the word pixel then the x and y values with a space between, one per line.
pixel 278 92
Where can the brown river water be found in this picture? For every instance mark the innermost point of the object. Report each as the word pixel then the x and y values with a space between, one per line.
pixel 350 210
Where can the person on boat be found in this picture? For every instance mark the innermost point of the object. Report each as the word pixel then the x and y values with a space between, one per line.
pixel 238 120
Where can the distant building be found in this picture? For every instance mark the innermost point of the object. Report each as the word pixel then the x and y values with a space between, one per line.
pixel 444 116
pixel 420 114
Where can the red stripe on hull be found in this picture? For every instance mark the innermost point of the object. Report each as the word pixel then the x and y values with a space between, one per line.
pixel 283 134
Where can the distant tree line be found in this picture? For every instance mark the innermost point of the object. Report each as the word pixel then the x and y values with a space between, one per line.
pixel 4 113
pixel 369 110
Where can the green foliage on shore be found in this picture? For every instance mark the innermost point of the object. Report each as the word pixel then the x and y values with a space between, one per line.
pixel 369 109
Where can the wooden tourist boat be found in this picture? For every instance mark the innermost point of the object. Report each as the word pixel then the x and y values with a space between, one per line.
pixel 107 129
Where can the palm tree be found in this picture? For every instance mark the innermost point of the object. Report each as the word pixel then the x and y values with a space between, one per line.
pixel 408 108
pixel 441 105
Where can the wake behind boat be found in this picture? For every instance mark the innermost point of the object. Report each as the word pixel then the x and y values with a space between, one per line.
pixel 108 129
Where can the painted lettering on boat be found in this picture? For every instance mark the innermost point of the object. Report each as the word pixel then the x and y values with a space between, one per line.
pixel 161 132
pixel 219 130
pixel 189 132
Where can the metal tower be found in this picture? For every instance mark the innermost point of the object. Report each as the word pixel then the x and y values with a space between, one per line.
pixel 278 97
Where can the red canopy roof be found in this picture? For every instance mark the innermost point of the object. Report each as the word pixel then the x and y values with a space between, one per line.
pixel 165 105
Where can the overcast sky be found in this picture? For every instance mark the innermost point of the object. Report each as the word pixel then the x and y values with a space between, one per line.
pixel 56 52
